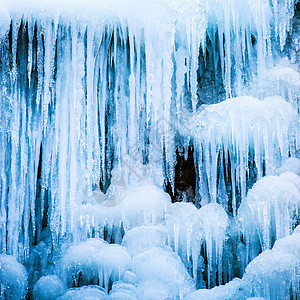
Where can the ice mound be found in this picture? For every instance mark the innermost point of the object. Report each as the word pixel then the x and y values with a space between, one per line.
pixel 238 132
pixel 48 288
pixel 163 265
pixel 144 204
pixel 233 290
pixel 91 292
pixel 274 274
pixel 142 237
pixel 94 262
pixel 270 211
pixel 124 291
pixel 155 290
pixel 271 275
pixel 284 81
pixel 13 278
pixel 292 164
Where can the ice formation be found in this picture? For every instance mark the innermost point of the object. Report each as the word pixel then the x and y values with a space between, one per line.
pixel 274 274
pixel 48 287
pixel 133 205
pixel 270 211
pixel 165 266
pixel 239 141
pixel 97 99
pixel 84 292
pixel 94 262
pixel 143 237
pixel 13 278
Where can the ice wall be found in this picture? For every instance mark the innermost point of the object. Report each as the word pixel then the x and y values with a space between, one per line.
pixel 95 98
pixel 91 86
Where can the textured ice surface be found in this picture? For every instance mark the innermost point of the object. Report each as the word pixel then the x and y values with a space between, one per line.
pixel 233 290
pixel 48 287
pixel 283 81
pixel 271 275
pixel 94 262
pixel 210 228
pixel 292 164
pixel 134 205
pixel 162 265
pixel 236 131
pixel 99 94
pixel 142 237
pixel 96 82
pixel 190 230
pixel 270 211
pixel 13 278
pixel 274 273
pixel 85 292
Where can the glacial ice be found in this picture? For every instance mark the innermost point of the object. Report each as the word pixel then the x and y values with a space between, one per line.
pixel 274 273
pixel 96 98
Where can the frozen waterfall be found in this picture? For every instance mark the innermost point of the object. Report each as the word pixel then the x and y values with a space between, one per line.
pixel 111 111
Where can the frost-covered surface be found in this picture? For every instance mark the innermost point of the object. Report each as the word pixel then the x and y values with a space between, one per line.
pixel 274 274
pixel 13 278
pixel 142 237
pixel 233 290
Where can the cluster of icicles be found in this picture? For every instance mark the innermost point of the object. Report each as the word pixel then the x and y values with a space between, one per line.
pixel 102 92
